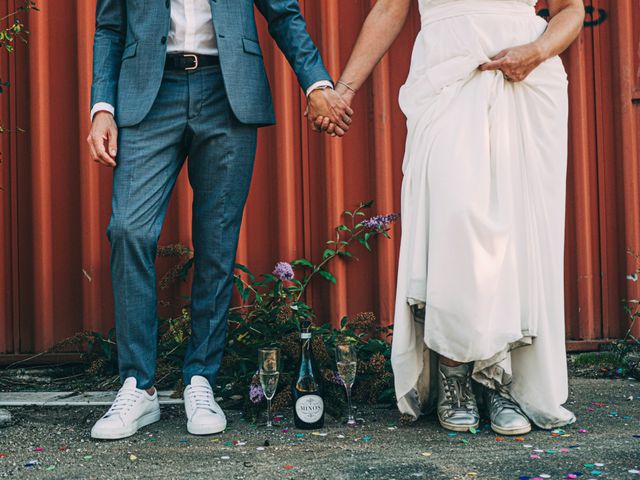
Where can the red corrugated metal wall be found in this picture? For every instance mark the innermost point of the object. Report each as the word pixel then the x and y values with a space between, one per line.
pixel 54 202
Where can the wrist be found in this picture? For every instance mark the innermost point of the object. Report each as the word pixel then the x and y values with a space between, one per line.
pixel 541 52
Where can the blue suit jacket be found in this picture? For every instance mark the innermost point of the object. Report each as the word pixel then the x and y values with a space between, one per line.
pixel 130 50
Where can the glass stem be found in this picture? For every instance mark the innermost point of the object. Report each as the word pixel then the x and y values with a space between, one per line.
pixel 269 424
pixel 350 420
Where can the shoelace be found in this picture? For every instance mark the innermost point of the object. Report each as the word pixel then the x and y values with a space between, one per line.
pixel 125 399
pixel 456 392
pixel 499 403
pixel 202 397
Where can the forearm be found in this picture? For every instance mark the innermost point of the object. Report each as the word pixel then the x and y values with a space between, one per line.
pixel 108 46
pixel 380 29
pixel 567 17
pixel 289 29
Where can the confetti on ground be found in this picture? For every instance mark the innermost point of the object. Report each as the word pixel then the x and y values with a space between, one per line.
pixel 51 468
pixel 88 457
pixel 465 441
pixel 452 434
pixel 472 474
pixel 225 457
pixel 288 467
pixel 38 449
pixel 285 430
pixel 474 431
pixel 31 463
pixel 583 430
pixel 534 456
pixel 132 457
pixel 427 454
pixel 3 455
pixel 340 436
pixel 260 449
pixel 366 439
pixel 299 435
pixel 499 439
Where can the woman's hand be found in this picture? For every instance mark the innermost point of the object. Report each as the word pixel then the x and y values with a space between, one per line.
pixel 324 124
pixel 325 106
pixel 516 63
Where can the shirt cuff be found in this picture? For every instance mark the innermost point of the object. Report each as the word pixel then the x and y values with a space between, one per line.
pixel 102 107
pixel 320 84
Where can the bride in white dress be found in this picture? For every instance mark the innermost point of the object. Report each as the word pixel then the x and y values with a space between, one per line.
pixel 480 280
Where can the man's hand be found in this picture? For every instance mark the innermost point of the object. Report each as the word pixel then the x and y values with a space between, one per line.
pixel 103 139
pixel 328 107
pixel 324 124
pixel 516 63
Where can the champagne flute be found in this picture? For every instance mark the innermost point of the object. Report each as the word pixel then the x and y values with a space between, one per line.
pixel 347 361
pixel 269 362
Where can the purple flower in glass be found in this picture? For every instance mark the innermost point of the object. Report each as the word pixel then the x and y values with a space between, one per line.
pixel 284 271
pixel 256 394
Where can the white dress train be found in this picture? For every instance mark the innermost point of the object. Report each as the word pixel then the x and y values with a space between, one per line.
pixel 483 207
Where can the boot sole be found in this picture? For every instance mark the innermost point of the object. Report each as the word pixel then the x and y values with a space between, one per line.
pixel 511 431
pixel 458 428
pixel 143 421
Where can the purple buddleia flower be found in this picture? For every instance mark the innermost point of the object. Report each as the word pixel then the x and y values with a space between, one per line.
pixel 284 271
pixel 380 222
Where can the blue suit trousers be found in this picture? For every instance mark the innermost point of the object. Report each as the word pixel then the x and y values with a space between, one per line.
pixel 191 117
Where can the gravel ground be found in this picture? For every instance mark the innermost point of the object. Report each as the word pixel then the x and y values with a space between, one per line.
pixel 605 443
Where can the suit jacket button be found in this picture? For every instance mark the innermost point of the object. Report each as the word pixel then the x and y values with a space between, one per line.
pixel 163 40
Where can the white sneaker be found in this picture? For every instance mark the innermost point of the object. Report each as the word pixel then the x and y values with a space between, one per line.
pixel 132 409
pixel 204 415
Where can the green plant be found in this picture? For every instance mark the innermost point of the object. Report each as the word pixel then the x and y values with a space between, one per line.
pixel 14 31
pixel 272 308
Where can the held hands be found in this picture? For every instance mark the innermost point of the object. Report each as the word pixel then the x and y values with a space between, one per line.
pixel 516 63
pixel 103 139
pixel 328 111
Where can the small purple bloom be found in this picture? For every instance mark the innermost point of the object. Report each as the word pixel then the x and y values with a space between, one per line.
pixel 284 271
pixel 380 222
pixel 256 394
pixel 335 377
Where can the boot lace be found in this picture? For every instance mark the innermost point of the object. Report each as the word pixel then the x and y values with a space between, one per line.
pixel 499 403
pixel 457 391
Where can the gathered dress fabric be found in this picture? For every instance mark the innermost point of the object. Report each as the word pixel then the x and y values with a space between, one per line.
pixel 483 212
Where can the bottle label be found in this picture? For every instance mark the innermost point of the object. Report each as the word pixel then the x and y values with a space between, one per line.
pixel 310 408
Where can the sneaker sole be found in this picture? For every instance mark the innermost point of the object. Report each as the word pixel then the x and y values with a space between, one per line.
pixel 458 428
pixel 143 421
pixel 195 429
pixel 511 431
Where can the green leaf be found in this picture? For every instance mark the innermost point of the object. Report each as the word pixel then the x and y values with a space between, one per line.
pixel 327 253
pixel 344 253
pixel 244 269
pixel 327 276
pixel 344 321
pixel 343 228
pixel 303 262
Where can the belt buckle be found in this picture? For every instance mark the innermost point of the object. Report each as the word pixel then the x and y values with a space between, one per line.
pixel 195 60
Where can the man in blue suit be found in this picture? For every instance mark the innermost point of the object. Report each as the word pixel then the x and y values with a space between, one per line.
pixel 175 79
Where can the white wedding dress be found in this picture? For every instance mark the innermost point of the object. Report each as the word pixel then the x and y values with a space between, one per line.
pixel 483 207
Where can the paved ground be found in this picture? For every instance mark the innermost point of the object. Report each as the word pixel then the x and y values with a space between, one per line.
pixel 605 443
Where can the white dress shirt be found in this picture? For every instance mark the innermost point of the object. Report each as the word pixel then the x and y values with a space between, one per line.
pixel 192 31
pixel 191 28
